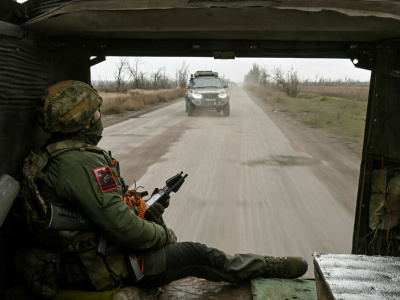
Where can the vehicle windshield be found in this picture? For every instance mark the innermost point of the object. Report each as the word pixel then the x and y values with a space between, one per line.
pixel 206 82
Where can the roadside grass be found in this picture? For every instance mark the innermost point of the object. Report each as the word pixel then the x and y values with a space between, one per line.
pixel 115 103
pixel 358 93
pixel 340 110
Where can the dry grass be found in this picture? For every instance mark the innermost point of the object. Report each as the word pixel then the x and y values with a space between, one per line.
pixel 359 93
pixel 341 110
pixel 115 103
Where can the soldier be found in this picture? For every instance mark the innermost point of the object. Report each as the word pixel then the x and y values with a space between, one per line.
pixel 72 177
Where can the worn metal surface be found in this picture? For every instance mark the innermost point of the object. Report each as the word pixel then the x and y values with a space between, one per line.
pixel 283 289
pixel 353 277
pixel 317 28
pixel 310 20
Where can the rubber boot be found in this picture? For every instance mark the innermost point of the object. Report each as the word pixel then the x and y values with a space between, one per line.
pixel 285 267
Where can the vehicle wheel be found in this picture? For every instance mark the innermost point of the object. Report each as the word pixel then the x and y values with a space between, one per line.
pixel 186 106
pixel 226 110
pixel 190 107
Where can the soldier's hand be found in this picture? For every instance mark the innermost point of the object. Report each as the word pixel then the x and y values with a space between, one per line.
pixel 155 192
pixel 166 204
pixel 154 212
pixel 172 239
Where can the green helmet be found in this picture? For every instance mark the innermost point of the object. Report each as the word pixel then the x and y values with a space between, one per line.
pixel 68 106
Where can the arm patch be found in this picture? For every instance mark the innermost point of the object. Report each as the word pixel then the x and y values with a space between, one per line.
pixel 105 178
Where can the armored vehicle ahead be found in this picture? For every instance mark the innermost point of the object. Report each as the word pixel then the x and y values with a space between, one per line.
pixel 206 92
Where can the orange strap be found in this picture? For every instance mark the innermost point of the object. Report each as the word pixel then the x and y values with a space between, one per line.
pixel 132 198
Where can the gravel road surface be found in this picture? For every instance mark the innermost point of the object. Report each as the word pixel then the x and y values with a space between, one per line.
pixel 258 181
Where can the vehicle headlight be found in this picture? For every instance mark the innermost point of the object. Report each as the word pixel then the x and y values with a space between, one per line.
pixel 222 95
pixel 197 96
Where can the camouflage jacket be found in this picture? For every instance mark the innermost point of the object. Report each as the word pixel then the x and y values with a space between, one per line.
pixel 86 180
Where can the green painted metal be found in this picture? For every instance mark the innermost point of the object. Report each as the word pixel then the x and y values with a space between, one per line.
pixel 283 289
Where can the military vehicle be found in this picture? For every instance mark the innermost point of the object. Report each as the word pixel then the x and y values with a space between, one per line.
pixel 46 41
pixel 206 92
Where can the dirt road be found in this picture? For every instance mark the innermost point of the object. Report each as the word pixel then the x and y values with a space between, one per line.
pixel 258 181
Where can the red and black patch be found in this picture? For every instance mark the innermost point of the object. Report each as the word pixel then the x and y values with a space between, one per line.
pixel 105 178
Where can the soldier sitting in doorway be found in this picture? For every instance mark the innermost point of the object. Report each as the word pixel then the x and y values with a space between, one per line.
pixel 73 174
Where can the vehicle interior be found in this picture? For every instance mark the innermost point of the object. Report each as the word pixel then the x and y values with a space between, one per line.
pixel 46 41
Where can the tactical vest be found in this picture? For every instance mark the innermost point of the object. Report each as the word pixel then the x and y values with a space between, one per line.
pixel 33 206
pixel 77 249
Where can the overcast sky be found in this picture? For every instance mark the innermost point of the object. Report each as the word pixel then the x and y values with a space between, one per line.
pixel 237 68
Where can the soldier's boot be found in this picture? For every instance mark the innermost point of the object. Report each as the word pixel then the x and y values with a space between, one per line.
pixel 285 267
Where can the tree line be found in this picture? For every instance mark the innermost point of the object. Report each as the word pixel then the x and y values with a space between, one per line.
pixel 129 75
pixel 289 81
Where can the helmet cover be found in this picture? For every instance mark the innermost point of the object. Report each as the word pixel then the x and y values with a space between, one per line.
pixel 68 106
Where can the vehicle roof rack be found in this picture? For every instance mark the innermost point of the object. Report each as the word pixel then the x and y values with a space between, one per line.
pixel 205 73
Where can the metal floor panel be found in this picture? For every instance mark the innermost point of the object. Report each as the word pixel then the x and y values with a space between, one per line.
pixel 353 277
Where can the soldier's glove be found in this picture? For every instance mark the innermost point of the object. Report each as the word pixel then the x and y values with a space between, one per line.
pixel 172 239
pixel 154 212
pixel 157 209
pixel 155 192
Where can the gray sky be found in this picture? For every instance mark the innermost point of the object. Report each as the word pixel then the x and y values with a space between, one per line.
pixel 236 69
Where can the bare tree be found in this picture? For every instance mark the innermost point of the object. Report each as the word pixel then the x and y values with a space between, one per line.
pixel 263 76
pixel 157 77
pixel 119 73
pixel 253 76
pixel 134 72
pixel 182 75
pixel 143 80
pixel 289 83
pixel 165 80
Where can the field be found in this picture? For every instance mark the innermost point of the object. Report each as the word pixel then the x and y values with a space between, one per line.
pixel 337 109
pixel 133 100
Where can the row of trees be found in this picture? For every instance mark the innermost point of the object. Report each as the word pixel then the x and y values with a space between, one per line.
pixel 289 82
pixel 130 75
